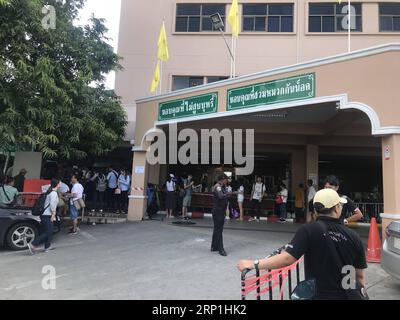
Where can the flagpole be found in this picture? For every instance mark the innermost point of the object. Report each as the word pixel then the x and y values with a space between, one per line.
pixel 349 29
pixel 298 33
pixel 161 75
pixel 233 56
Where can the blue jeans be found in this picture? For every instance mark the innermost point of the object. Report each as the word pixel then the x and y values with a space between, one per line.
pixel 282 210
pixel 47 232
pixel 73 212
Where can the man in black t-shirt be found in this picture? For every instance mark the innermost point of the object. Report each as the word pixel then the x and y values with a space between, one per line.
pixel 350 212
pixel 327 246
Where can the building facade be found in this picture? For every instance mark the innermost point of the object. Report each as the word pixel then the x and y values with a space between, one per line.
pixel 320 113
pixel 273 34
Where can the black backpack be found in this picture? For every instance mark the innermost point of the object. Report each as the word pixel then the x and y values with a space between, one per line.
pixel 38 209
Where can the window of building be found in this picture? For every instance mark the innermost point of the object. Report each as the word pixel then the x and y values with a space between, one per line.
pixel 330 17
pixel 268 17
pixel 389 17
pixel 196 17
pixel 183 82
pixel 216 79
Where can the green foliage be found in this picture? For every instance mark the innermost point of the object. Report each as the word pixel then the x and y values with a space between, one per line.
pixel 52 95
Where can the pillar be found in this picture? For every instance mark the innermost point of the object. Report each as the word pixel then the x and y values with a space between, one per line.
pixel 298 169
pixel 312 157
pixel 138 199
pixel 391 178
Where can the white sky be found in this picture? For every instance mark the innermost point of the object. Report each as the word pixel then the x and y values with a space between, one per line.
pixel 109 10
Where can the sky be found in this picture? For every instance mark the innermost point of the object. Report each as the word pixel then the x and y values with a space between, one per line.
pixel 109 10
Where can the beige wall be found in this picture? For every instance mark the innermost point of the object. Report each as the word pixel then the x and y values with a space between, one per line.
pixel 370 80
pixel 205 53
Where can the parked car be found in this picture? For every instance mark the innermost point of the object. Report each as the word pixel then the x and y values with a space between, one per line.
pixel 18 227
pixel 390 261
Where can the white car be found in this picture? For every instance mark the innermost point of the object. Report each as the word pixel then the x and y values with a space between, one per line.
pixel 390 261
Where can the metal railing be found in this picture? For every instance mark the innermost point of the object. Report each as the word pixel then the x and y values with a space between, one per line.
pixel 273 283
pixel 370 210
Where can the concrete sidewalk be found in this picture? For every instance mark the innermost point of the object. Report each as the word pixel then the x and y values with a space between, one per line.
pixel 151 260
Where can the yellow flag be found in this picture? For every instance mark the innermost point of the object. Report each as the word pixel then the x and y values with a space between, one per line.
pixel 233 18
pixel 163 45
pixel 156 78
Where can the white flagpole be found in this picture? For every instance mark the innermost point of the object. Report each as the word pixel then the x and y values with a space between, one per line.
pixel 232 58
pixel 161 75
pixel 349 29
pixel 298 33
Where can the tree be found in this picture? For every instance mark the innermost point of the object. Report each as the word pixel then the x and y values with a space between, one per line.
pixel 52 96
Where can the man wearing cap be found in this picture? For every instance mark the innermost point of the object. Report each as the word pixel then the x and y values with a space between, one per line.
pixel 327 245
pixel 350 211
pixel 219 207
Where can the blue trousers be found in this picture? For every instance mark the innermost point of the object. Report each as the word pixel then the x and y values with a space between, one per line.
pixel 281 210
pixel 46 234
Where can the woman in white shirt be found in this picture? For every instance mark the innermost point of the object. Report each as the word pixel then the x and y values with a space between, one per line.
pixel 47 219
pixel 170 204
pixel 240 198
pixel 283 193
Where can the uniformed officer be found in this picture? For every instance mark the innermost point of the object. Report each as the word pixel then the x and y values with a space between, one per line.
pixel 219 208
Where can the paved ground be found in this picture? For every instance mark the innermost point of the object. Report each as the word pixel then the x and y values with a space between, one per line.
pixel 152 260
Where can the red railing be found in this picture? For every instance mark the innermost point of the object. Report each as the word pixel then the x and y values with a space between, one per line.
pixel 266 282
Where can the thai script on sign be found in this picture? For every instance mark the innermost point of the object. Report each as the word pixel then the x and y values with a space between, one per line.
pixel 189 107
pixel 289 89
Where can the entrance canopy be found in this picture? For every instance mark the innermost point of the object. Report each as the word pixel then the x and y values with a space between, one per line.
pixel 348 101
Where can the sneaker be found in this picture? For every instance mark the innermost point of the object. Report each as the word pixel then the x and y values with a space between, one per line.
pixel 72 232
pixel 32 249
pixel 281 221
pixel 48 249
pixel 227 218
pixel 251 219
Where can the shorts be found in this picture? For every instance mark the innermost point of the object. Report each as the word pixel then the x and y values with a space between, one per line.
pixel 73 212
pixel 240 199
pixel 187 201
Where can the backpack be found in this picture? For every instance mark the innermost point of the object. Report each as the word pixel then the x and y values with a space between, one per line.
pixel 101 184
pixel 38 209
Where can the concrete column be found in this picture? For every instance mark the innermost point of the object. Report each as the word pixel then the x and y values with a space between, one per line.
pixel 163 174
pixel 154 174
pixel 312 156
pixel 391 178
pixel 298 169
pixel 138 199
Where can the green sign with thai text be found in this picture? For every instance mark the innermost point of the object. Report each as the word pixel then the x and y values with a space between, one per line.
pixel 276 91
pixel 193 106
